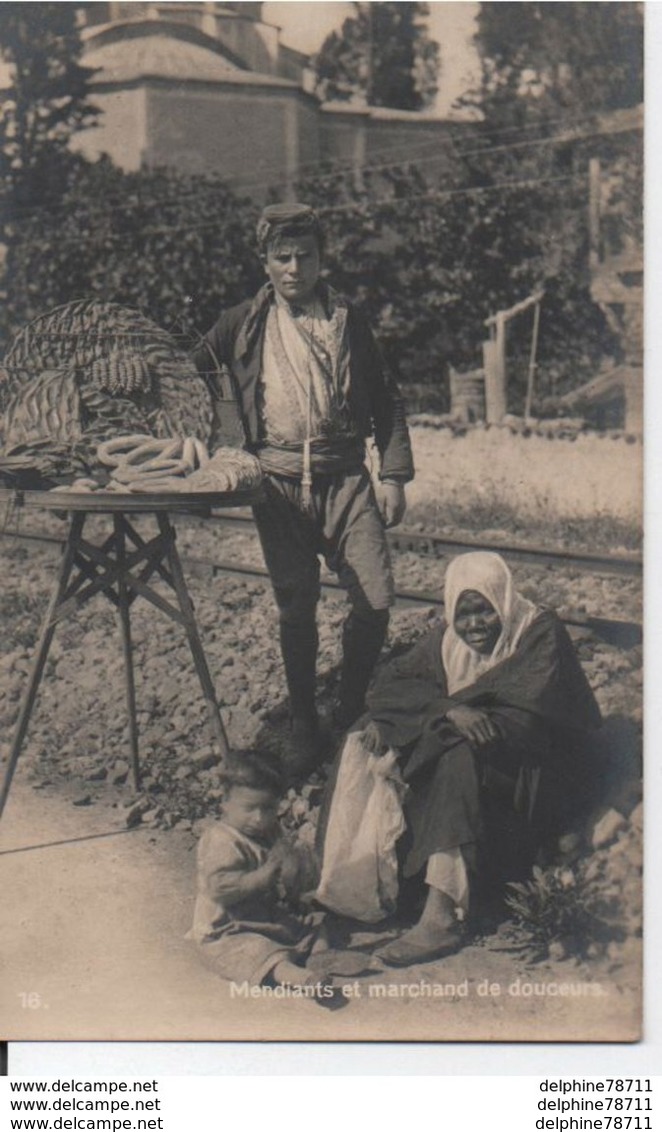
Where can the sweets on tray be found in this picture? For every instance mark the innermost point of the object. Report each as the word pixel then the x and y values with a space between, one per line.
pixel 86 373
pixel 139 464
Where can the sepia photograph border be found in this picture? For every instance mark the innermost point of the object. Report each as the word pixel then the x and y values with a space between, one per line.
pixel 264 1017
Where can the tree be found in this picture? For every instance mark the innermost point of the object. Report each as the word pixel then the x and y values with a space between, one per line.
pixel 382 55
pixel 179 248
pixel 553 76
pixel 429 266
pixel 47 102
pixel 551 60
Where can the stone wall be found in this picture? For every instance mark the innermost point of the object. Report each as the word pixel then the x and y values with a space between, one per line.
pixel 252 136
pixel 360 136
pixel 121 131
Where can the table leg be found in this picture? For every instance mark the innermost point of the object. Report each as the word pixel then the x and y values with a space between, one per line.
pixel 41 653
pixel 125 623
pixel 195 644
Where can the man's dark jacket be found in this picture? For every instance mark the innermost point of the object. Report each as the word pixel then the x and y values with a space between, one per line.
pixel 377 408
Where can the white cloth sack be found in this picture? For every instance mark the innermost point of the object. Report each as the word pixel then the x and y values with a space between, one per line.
pixel 359 866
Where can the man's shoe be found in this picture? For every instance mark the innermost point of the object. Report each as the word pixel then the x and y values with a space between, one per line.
pixel 343 717
pixel 304 750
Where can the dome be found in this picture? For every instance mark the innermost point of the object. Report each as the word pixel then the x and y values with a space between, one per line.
pixel 156 56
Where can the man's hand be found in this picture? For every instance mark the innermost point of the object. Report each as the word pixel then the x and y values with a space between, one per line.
pixel 391 502
pixel 371 740
pixel 474 724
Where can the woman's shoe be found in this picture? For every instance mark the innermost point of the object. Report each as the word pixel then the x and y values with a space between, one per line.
pixel 409 949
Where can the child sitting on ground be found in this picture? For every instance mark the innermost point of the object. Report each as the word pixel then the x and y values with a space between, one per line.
pixel 247 871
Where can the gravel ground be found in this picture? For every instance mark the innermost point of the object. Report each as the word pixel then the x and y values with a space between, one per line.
pixel 565 589
pixel 77 742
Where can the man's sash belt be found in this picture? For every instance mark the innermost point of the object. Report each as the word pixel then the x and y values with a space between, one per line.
pixel 326 457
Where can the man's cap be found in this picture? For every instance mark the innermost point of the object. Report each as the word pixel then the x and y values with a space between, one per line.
pixel 276 218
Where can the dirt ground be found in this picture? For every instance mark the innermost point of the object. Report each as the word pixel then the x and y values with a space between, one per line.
pixel 95 913
pixel 93 944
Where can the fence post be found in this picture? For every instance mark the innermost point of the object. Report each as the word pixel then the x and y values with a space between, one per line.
pixel 494 361
pixel 594 208
pixel 531 376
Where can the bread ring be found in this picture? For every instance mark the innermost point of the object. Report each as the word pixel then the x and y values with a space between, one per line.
pixel 189 453
pixel 153 448
pixel 201 451
pixel 175 464
pixel 113 452
pixel 128 474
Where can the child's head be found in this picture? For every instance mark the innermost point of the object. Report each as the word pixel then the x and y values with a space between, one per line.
pixel 252 788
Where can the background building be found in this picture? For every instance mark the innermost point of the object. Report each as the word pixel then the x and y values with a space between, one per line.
pixel 211 88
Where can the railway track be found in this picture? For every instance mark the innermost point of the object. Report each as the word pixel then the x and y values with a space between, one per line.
pixel 623 634
pixel 439 546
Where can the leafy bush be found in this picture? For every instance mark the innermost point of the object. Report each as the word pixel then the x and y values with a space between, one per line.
pixel 553 910
pixel 179 248
pixel 428 265
pixel 580 911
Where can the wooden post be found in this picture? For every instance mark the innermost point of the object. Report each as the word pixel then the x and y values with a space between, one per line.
pixel 594 213
pixel 494 356
pixel 488 366
pixel 530 381
pixel 494 360
pixel 41 653
pixel 127 648
pixel 195 644
pixel 359 147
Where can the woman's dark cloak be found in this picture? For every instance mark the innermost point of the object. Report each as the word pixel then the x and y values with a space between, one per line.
pixel 544 708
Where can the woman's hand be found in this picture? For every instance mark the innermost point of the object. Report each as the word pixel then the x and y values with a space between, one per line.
pixel 371 740
pixel 475 724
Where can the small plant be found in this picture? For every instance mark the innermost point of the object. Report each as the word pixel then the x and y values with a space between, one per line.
pixel 567 913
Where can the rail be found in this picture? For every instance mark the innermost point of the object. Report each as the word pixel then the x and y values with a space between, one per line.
pixel 621 633
pixel 435 545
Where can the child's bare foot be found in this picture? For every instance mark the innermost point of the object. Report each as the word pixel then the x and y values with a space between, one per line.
pixel 328 991
pixel 322 941
pixel 322 989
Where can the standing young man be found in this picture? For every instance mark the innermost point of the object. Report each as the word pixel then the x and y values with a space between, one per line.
pixel 311 386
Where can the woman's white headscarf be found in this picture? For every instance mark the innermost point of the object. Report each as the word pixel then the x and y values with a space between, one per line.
pixel 487 574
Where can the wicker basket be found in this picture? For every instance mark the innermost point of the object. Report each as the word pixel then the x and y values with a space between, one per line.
pixel 90 370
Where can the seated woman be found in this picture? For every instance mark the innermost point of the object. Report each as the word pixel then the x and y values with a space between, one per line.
pixel 489 716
